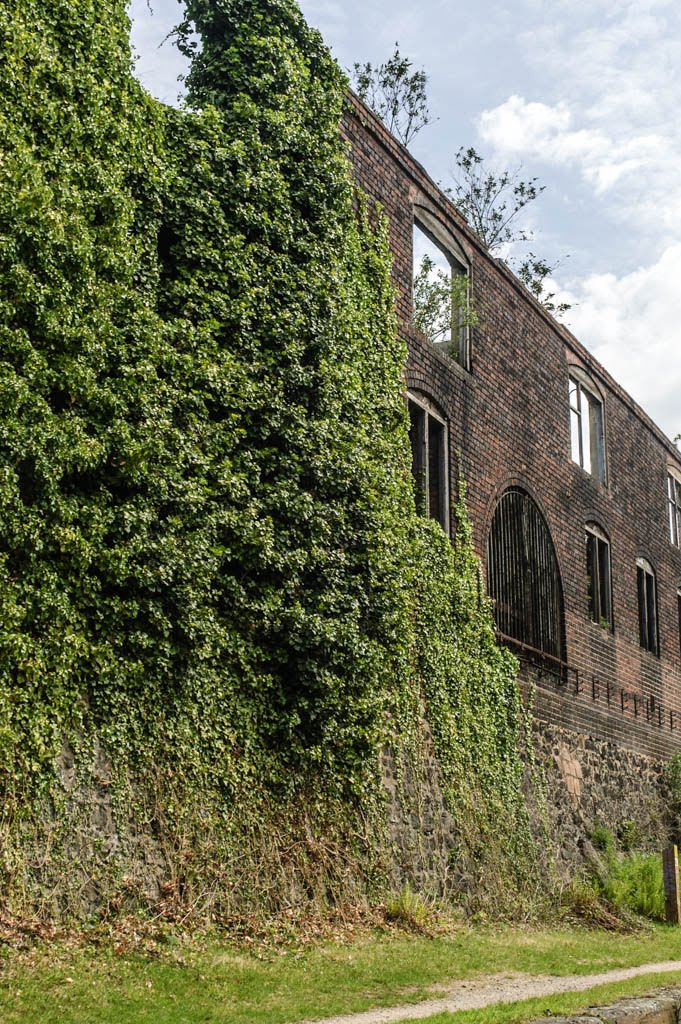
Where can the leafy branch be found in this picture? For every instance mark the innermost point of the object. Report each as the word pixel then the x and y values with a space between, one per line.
pixel 491 202
pixel 534 272
pixel 442 304
pixel 395 93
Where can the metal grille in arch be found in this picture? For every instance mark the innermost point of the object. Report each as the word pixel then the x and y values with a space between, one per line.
pixel 523 578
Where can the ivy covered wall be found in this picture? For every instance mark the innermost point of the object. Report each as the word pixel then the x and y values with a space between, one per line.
pixel 210 563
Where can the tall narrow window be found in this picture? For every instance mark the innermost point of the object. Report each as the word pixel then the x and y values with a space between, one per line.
pixel 647 606
pixel 674 502
pixel 598 577
pixel 441 291
pixel 586 429
pixel 523 578
pixel 428 437
pixel 678 604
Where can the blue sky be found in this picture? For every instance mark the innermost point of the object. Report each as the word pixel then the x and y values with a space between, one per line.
pixel 586 96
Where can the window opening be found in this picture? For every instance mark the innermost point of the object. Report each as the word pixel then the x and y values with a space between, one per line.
pixel 523 578
pixel 647 606
pixel 586 429
pixel 674 501
pixel 598 576
pixel 678 603
pixel 441 296
pixel 428 437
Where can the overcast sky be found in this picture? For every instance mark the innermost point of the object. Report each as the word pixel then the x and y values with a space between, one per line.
pixel 586 95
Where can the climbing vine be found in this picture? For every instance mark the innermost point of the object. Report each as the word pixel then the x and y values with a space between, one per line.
pixel 210 562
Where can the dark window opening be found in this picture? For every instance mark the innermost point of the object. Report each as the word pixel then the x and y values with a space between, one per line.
pixel 428 437
pixel 647 606
pixel 598 576
pixel 523 579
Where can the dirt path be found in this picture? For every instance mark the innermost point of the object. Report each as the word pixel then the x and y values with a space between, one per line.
pixel 477 993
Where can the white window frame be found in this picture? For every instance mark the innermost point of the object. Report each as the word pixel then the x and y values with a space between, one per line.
pixel 587 415
pixel 674 504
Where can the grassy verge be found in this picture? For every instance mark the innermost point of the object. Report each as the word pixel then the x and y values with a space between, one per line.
pixel 548 1006
pixel 186 981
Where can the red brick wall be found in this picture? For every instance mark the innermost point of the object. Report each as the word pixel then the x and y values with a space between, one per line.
pixel 509 424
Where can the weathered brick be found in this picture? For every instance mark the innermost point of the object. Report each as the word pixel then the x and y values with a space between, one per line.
pixel 509 425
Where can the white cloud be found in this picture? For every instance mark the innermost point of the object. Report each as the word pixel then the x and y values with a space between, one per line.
pixel 632 325
pixel 606 107
pixel 518 128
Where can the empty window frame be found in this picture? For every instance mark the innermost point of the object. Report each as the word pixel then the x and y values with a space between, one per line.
pixel 586 428
pixel 647 606
pixel 441 290
pixel 598 576
pixel 428 437
pixel 674 505
pixel 523 578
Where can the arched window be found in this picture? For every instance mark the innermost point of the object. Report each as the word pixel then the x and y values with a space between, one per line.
pixel 647 606
pixel 429 458
pixel 523 578
pixel 441 288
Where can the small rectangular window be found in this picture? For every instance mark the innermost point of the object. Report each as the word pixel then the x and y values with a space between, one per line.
pixel 436 469
pixel 599 587
pixel 428 438
pixel 647 606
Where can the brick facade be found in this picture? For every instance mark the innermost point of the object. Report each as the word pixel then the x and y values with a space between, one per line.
pixel 509 425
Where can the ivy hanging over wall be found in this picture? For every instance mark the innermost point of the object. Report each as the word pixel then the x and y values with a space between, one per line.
pixel 210 561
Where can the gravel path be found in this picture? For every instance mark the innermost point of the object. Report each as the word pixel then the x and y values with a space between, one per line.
pixel 475 994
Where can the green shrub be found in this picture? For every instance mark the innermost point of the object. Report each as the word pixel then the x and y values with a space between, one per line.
pixel 409 910
pixel 629 836
pixel 603 839
pixel 634 882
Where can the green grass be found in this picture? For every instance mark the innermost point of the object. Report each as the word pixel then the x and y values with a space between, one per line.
pixel 215 983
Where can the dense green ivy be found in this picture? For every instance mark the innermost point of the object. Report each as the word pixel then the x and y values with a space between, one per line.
pixel 209 554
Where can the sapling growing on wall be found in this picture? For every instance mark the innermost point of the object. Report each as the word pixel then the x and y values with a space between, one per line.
pixel 491 202
pixel 396 93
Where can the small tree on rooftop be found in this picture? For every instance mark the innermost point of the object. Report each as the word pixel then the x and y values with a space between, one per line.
pixel 396 93
pixel 491 201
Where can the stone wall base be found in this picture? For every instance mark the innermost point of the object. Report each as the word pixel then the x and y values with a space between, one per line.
pixel 663 1007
